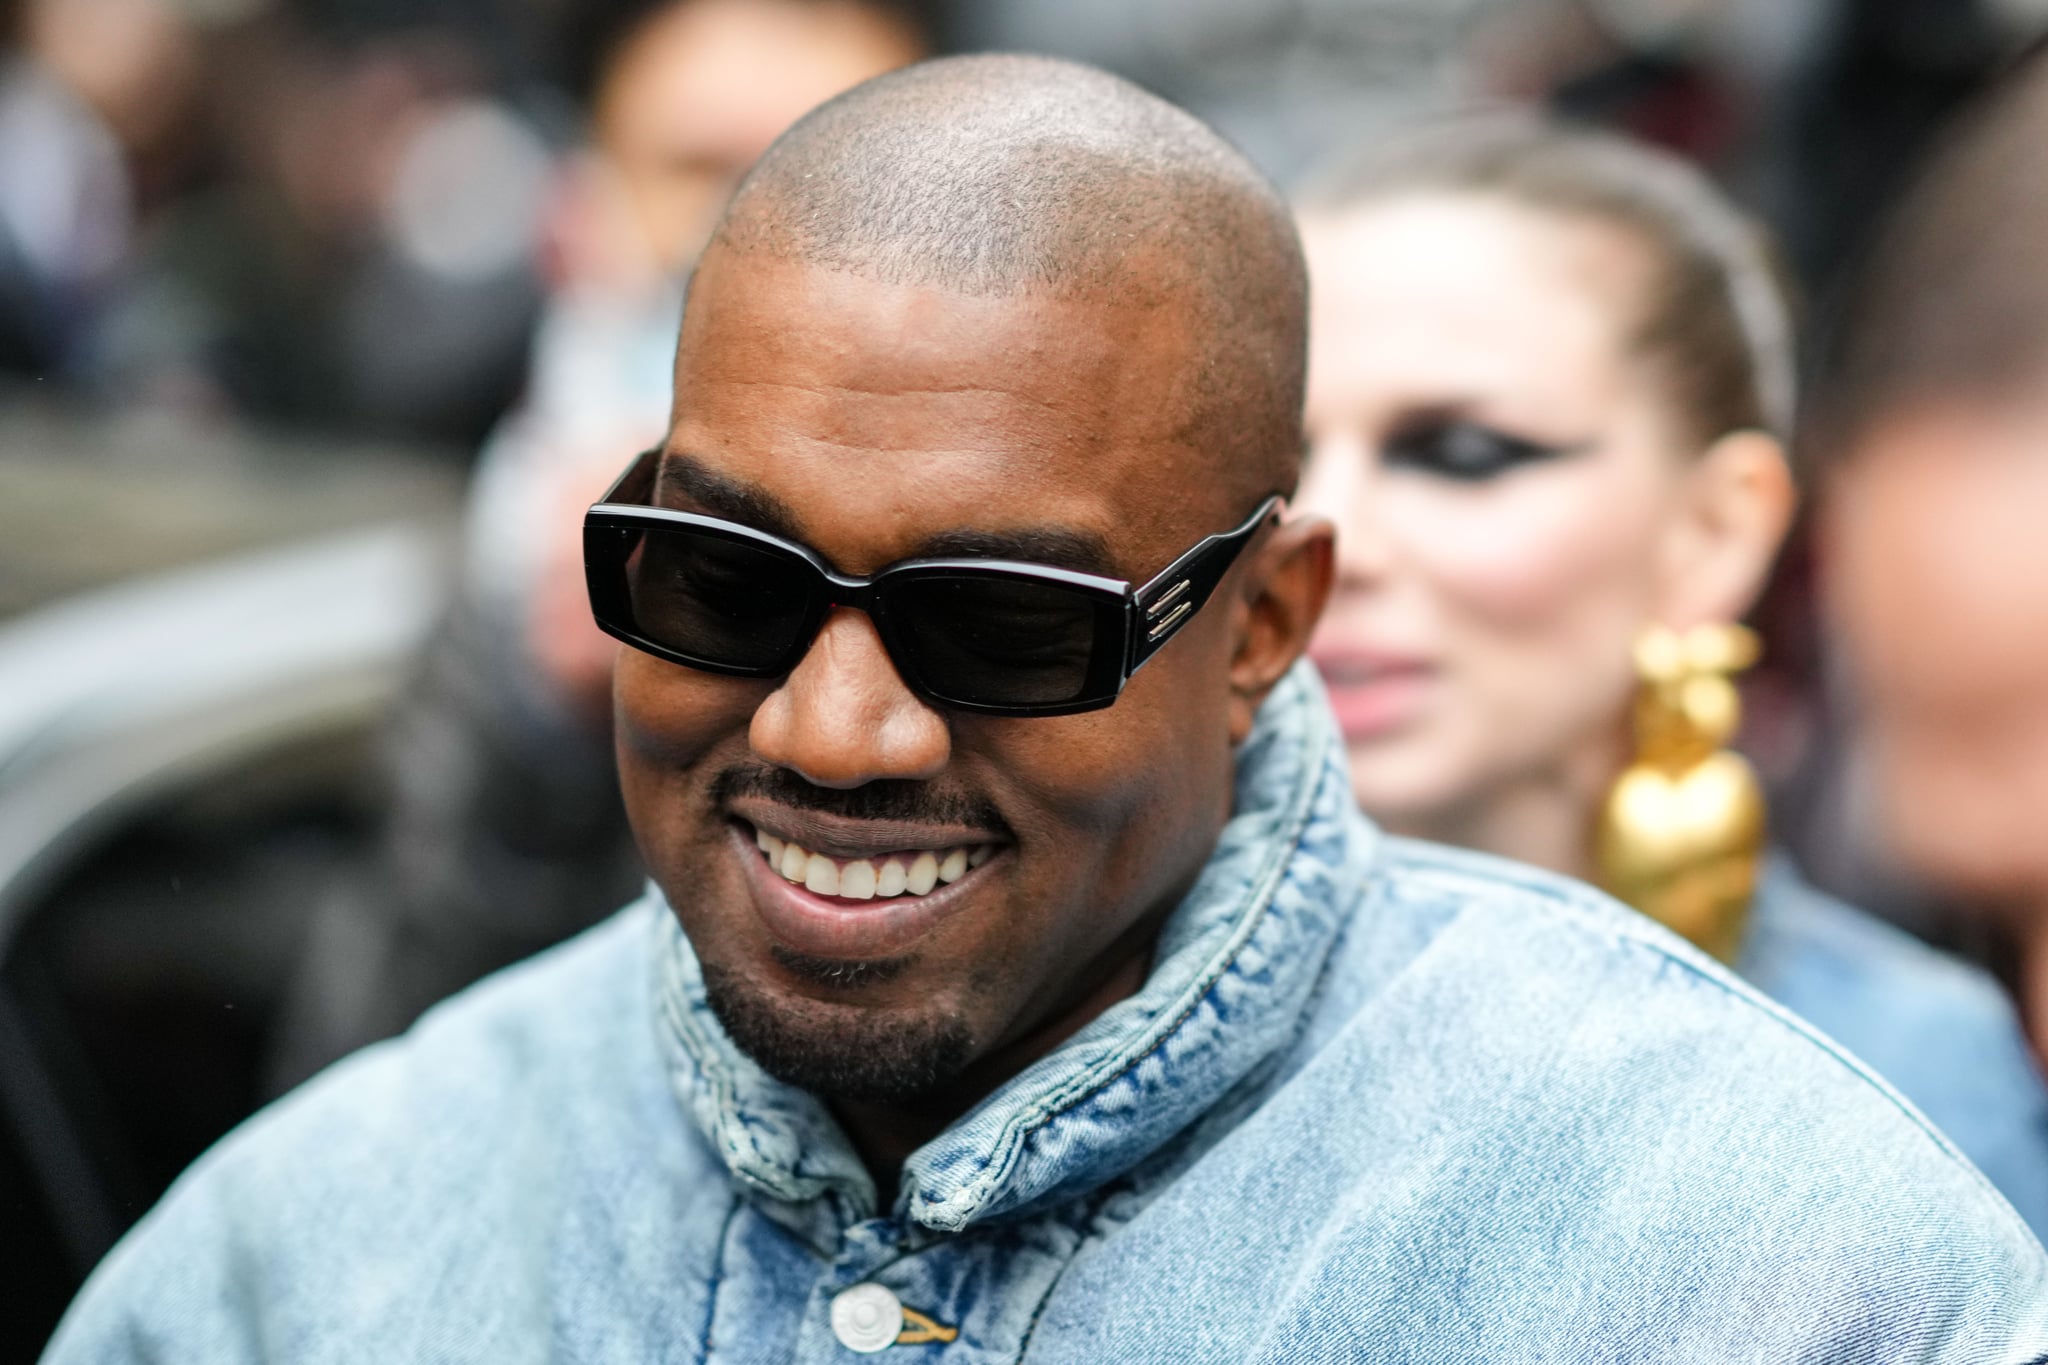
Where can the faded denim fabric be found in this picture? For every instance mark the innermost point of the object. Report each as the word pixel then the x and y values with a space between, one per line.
pixel 1377 1101
pixel 1940 1030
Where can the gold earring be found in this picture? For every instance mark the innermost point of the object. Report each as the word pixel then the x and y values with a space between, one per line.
pixel 1682 831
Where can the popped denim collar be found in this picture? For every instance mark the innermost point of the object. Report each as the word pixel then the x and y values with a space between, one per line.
pixel 1232 977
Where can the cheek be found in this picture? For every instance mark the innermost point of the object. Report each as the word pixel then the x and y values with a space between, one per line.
pixel 1938 582
pixel 1960 796
pixel 1130 796
pixel 1528 556
pixel 1876 553
pixel 1537 588
pixel 669 720
pixel 1941 586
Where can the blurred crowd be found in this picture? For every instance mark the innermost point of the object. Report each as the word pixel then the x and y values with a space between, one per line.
pixel 467 226
pixel 343 213
pixel 335 215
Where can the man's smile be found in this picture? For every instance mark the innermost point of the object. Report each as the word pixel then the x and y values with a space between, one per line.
pixel 871 890
pixel 905 872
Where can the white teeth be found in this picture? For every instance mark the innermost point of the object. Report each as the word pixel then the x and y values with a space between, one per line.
pixel 822 875
pixel 857 880
pixel 862 878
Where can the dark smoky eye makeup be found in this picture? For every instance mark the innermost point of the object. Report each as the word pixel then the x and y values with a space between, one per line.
pixel 1465 450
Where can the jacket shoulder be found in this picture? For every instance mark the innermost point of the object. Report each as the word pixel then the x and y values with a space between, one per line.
pixel 1523 960
pixel 434 1178
pixel 1526 1123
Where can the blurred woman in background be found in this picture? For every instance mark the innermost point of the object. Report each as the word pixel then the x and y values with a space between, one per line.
pixel 1550 375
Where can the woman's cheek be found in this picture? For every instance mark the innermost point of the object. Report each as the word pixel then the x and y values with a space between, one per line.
pixel 1541 591
pixel 1523 553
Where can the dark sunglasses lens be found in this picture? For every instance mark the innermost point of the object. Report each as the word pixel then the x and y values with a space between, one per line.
pixel 997 641
pixel 724 602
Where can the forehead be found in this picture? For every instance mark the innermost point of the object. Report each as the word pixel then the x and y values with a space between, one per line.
pixel 1452 296
pixel 883 414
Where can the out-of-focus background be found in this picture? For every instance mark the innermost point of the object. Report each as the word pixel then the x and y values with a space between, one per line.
pixel 319 320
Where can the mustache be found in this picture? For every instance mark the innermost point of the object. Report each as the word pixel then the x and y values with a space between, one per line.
pixel 887 798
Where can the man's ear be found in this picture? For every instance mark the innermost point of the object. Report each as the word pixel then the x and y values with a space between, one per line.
pixel 1285 586
pixel 1735 508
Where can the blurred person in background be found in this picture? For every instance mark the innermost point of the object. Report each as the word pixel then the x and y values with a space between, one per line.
pixel 1550 374
pixel 506 832
pixel 684 95
pixel 1931 431
pixel 361 255
pixel 97 105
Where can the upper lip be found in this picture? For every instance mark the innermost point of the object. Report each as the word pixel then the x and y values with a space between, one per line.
pixel 841 837
pixel 1376 660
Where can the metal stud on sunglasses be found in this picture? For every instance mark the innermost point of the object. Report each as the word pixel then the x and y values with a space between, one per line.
pixel 999 637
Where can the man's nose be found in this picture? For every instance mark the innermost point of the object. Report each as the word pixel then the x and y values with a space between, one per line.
pixel 1340 482
pixel 843 716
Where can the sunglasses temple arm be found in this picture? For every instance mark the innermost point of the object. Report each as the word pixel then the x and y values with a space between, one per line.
pixel 1170 601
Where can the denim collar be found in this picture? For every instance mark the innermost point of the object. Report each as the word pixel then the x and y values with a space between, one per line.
pixel 1236 965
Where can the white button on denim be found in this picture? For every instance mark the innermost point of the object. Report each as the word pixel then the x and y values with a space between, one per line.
pixel 866 1318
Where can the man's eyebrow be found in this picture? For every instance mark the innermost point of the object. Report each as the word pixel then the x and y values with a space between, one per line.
pixel 686 477
pixel 1059 547
pixel 689 478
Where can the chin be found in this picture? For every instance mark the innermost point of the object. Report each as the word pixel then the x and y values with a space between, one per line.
pixel 1405 786
pixel 842 1048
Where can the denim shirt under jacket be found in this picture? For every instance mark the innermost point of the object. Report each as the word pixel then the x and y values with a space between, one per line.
pixel 1376 1101
pixel 1940 1030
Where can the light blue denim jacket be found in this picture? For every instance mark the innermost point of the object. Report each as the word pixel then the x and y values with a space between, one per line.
pixel 1376 1101
pixel 1939 1030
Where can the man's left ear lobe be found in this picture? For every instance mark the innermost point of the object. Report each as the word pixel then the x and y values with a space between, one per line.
pixel 1286 585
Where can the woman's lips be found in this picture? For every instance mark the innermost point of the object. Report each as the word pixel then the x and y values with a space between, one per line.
pixel 831 926
pixel 1373 694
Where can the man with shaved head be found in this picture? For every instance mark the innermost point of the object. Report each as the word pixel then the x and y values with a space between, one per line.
pixel 1018 981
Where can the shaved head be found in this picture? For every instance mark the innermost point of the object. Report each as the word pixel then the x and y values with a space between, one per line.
pixel 1011 176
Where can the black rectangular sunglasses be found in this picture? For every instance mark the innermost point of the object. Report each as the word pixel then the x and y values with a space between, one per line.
pixel 989 635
